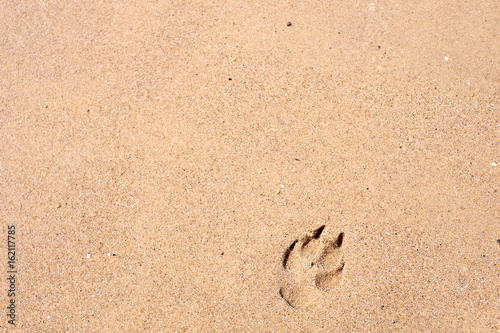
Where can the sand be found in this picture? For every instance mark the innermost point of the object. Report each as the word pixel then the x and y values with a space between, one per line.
pixel 159 159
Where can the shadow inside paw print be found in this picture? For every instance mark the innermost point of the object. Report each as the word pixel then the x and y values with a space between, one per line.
pixel 312 263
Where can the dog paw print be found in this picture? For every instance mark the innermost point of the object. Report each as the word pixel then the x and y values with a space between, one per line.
pixel 312 264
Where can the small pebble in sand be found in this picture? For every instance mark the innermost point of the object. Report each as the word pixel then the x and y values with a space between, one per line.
pixel 493 164
pixel 88 255
pixel 289 24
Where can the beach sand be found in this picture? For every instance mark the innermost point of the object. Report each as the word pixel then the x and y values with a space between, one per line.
pixel 159 159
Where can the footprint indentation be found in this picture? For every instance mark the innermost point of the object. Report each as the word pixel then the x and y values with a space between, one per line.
pixel 312 264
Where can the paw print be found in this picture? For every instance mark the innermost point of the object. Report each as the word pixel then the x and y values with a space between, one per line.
pixel 311 264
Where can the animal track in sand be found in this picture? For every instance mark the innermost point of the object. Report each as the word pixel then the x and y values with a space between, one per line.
pixel 312 264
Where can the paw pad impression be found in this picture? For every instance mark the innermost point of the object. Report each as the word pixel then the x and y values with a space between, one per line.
pixel 311 264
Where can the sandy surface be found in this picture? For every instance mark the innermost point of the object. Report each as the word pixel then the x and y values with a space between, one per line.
pixel 158 160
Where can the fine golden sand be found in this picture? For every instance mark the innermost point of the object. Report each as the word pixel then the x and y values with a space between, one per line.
pixel 250 166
